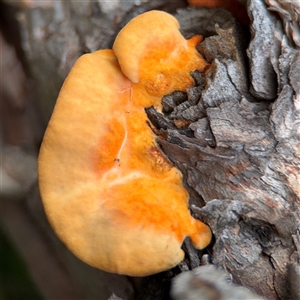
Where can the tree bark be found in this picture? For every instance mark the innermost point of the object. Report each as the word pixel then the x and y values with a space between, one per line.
pixel 235 136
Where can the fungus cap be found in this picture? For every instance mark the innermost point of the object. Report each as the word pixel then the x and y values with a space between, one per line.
pixel 110 194
pixel 144 34
pixel 154 55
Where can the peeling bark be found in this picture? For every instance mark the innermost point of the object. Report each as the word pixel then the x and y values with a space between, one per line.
pixel 250 179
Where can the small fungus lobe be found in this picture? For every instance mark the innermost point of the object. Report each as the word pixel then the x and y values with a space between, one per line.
pixel 109 193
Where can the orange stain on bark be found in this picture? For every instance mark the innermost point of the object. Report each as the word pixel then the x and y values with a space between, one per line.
pixel 236 8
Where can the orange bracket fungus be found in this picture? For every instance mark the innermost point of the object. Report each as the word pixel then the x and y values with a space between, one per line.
pixel 109 193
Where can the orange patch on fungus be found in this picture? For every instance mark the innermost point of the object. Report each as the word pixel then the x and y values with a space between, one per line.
pixel 109 193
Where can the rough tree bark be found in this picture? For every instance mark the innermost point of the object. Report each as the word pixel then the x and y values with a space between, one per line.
pixel 235 136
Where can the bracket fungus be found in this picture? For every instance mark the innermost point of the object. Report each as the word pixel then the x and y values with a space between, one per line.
pixel 109 193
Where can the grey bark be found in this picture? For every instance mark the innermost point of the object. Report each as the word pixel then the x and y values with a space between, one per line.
pixel 240 151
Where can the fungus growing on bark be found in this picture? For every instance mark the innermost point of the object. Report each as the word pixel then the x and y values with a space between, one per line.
pixel 108 191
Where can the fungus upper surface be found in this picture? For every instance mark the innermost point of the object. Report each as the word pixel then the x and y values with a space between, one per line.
pixel 158 60
pixel 110 194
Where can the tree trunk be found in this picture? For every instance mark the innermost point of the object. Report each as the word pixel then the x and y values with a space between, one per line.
pixel 235 136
